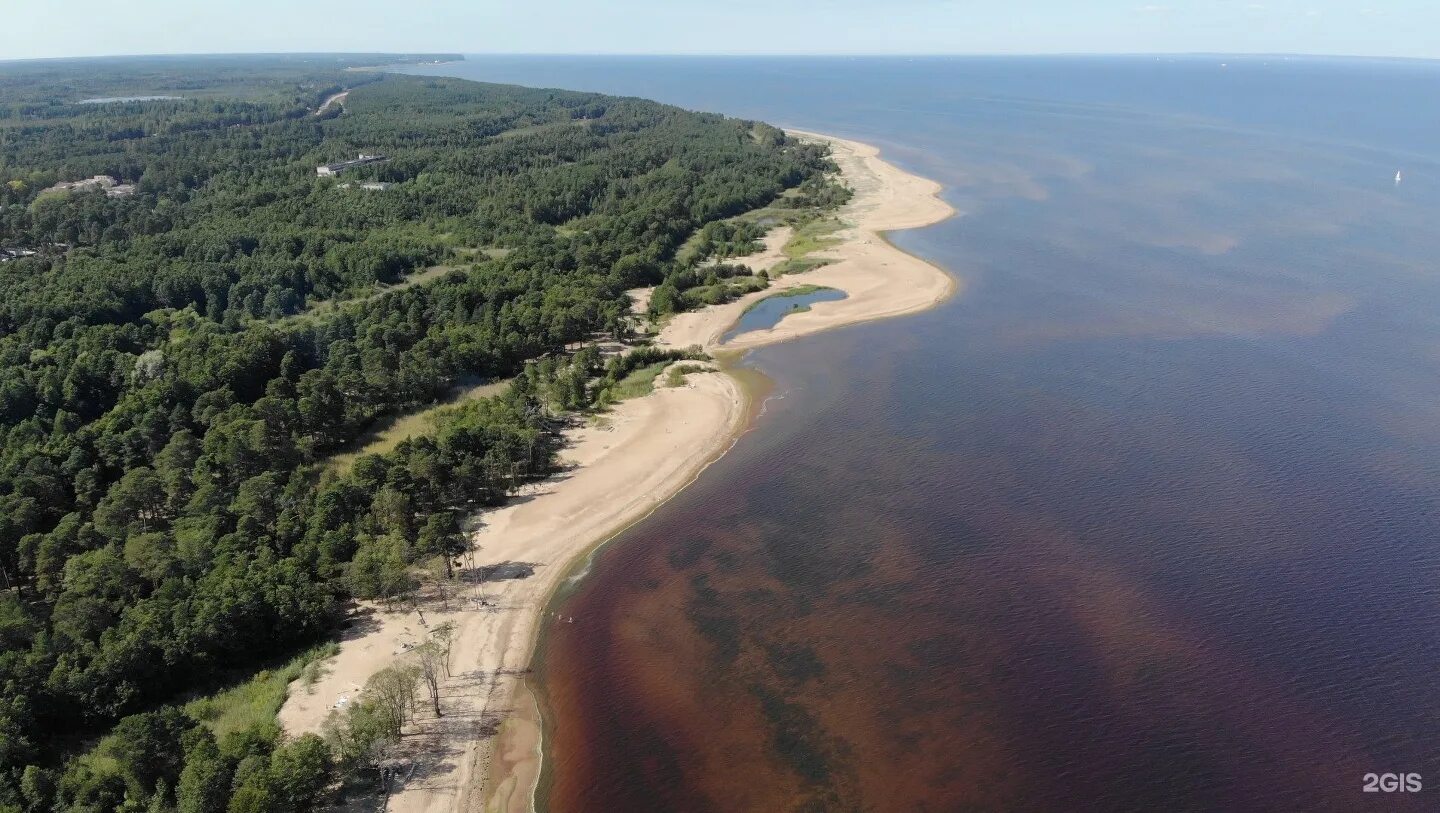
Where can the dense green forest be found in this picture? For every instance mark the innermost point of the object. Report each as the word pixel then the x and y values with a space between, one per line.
pixel 169 391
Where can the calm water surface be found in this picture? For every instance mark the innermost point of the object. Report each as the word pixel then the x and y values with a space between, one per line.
pixel 1145 520
pixel 771 310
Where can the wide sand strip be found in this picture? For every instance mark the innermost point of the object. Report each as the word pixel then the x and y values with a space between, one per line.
pixel 618 470
pixel 485 752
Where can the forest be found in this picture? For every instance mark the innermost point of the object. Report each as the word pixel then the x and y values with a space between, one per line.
pixel 178 362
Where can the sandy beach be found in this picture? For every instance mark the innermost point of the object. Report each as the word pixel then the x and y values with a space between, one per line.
pixel 485 753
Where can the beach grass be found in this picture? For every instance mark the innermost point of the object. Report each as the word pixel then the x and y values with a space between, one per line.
pixel 799 266
pixel 812 236
pixel 813 229
pixel 258 700
pixel 676 376
pixel 639 382
pixel 243 706
pixel 389 433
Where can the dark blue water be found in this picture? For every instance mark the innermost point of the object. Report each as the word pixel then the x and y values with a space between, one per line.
pixel 1374 104
pixel 1147 519
pixel 768 312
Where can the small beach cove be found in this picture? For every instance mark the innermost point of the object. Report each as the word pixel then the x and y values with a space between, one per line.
pixel 485 752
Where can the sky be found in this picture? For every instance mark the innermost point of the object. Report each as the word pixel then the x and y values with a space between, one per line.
pixel 56 28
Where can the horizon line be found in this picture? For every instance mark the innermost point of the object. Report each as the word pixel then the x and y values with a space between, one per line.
pixel 743 55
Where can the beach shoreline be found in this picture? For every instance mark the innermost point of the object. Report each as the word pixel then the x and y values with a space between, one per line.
pixel 486 753
pixel 880 280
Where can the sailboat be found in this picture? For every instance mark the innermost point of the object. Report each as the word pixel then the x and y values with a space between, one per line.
pixel 1398 179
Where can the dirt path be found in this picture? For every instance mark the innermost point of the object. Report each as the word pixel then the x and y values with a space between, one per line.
pixel 338 98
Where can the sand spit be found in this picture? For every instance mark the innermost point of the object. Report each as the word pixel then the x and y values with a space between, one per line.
pixel 879 279
pixel 485 753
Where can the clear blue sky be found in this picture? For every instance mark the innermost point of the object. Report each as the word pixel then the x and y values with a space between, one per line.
pixel 45 28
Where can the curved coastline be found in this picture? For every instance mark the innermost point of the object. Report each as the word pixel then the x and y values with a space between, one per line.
pixel 887 281
pixel 623 468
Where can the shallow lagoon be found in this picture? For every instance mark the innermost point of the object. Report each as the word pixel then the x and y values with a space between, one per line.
pixel 770 311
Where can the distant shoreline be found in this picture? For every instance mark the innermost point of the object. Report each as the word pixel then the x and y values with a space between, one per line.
pixel 449 59
pixel 622 467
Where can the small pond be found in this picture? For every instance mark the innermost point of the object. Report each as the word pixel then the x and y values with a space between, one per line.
pixel 768 312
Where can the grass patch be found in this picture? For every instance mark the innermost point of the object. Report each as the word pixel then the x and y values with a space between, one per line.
pixel 430 274
pixel 321 307
pixel 259 699
pixel 741 286
pixel 799 266
pixel 813 231
pixel 812 236
pixel 676 376
pixel 390 432
pixel 638 383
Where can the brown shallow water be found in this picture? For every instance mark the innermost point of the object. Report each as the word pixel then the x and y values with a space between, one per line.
pixel 1148 520
pixel 816 626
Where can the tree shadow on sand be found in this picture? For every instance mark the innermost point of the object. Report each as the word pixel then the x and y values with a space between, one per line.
pixel 504 571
